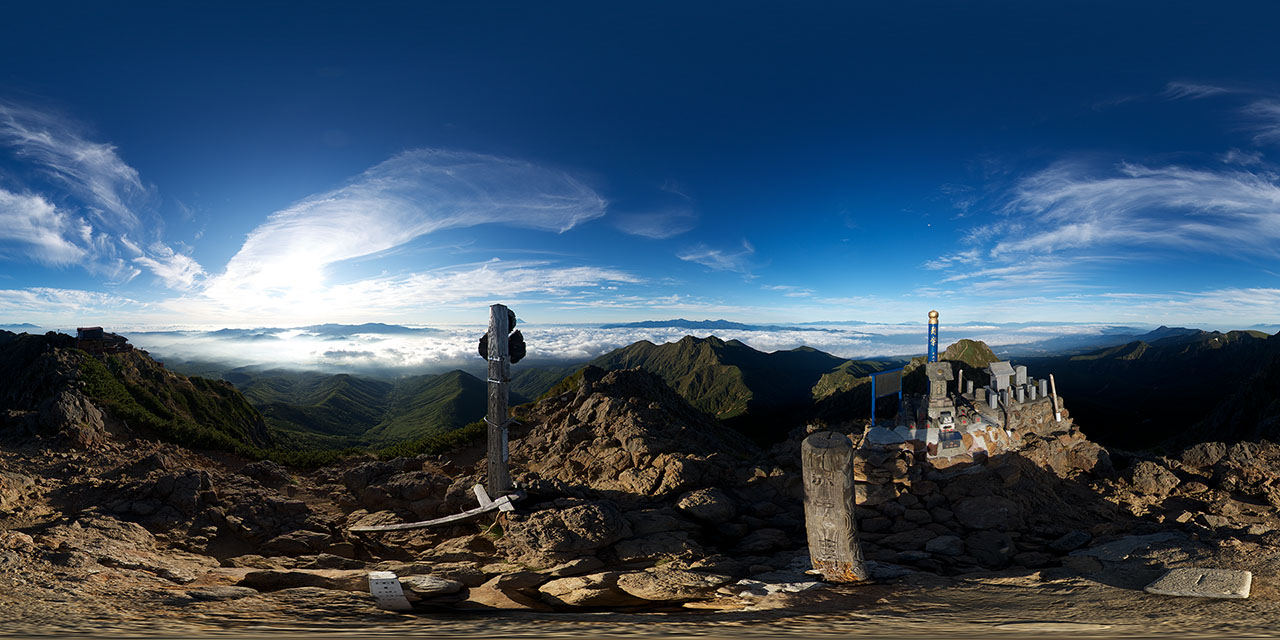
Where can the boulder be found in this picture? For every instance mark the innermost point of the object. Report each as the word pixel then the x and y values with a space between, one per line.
pixel 358 478
pixel 659 545
pixel 650 521
pixel 14 487
pixel 429 586
pixel 1152 479
pixel 711 505
pixel 544 539
pixel 1205 454
pixel 988 512
pixel 592 590
pixel 874 495
pixel 671 584
pixel 913 540
pixel 417 485
pixel 494 594
pixel 1242 454
pixel 576 567
pixel 945 546
pixel 71 415
pixel 267 473
pixel 297 543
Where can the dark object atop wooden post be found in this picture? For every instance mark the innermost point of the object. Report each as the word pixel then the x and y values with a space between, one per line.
pixel 499 476
pixel 827 461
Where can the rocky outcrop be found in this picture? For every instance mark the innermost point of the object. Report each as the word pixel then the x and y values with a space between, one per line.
pixel 626 434
pixel 70 414
pixel 550 537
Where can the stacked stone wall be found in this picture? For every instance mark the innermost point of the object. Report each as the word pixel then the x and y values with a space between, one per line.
pixel 910 509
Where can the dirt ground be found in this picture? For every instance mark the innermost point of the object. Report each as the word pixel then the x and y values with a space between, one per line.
pixel 1053 603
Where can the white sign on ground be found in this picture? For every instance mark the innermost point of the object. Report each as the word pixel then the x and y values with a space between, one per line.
pixel 1203 583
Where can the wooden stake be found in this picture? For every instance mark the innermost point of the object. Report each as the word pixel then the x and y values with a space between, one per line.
pixel 827 464
pixel 499 477
pixel 1053 388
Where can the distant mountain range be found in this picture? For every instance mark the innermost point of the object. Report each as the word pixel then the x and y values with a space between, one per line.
pixel 1166 386
pixel 706 325
pixel 1077 344
pixel 322 330
pixel 756 392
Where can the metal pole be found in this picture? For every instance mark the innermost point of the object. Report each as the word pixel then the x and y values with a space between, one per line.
pixel 499 476
pixel 933 336
pixel 873 399
pixel 1053 388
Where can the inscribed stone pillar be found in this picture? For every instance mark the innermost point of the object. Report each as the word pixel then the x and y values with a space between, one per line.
pixel 827 464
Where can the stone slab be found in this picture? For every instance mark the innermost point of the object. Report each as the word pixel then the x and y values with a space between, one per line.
pixel 1203 583
pixel 927 435
pixel 1120 550
pixel 881 435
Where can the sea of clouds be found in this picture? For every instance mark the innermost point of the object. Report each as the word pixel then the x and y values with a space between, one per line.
pixel 444 347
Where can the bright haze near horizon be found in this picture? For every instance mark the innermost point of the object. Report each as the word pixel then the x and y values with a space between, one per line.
pixel 285 165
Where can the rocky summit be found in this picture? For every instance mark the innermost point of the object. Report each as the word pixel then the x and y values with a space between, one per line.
pixel 635 501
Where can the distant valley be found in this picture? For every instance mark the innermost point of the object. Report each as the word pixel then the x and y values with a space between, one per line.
pixel 1129 390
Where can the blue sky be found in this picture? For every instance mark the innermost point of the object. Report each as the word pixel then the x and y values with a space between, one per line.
pixel 267 164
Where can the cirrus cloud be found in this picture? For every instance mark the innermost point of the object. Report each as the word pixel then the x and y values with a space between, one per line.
pixel 410 195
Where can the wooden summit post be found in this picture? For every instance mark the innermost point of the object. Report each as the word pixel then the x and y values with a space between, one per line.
pixel 827 463
pixel 499 476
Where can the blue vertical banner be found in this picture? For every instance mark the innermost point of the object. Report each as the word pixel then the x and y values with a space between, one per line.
pixel 933 336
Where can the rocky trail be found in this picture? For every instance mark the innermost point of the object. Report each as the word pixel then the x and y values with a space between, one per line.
pixel 644 517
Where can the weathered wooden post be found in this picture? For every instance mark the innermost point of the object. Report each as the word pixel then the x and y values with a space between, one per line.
pixel 499 477
pixel 827 462
pixel 1053 388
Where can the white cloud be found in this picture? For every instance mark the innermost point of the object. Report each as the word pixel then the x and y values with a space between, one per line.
pixel 789 291
pixel 1243 158
pixel 412 194
pixel 1192 90
pixel 1068 207
pixel 950 260
pixel 453 346
pixel 88 174
pixel 92 171
pixel 40 230
pixel 1264 119
pixel 657 225
pixel 430 293
pixel 176 270
pixel 720 259
pixel 52 307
